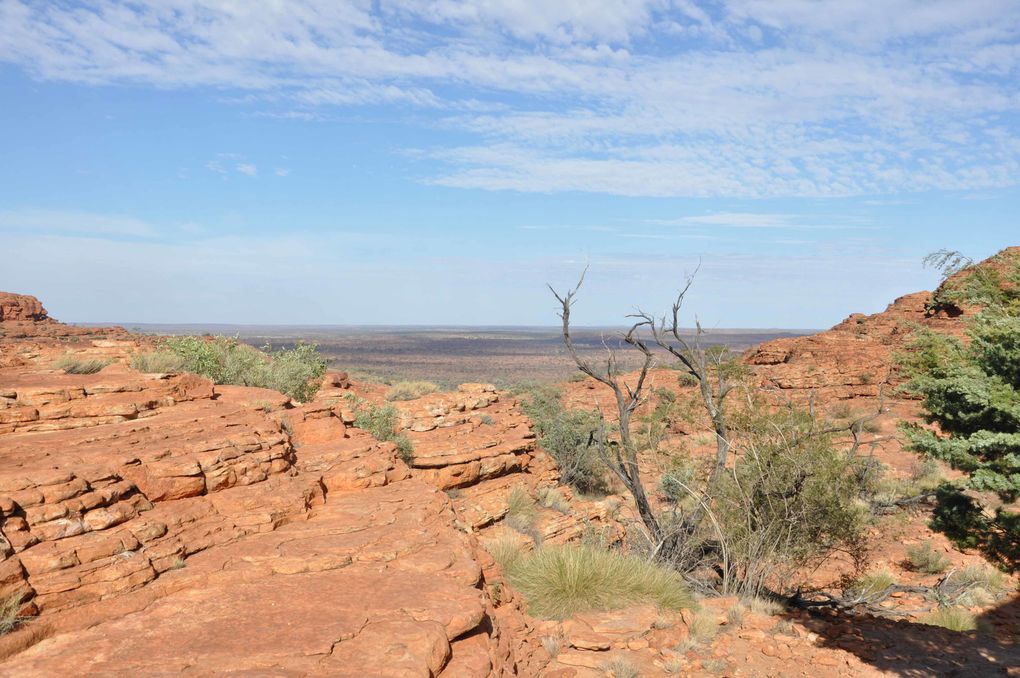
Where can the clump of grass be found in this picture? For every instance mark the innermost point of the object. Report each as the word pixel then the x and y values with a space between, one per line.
pixel 559 581
pixel 521 511
pixel 871 586
pixel 411 390
pixel 977 585
pixel 924 558
pixel 71 365
pixel 486 420
pixel 160 361
pixel 952 618
pixel 674 667
pixel 764 606
pixel 735 615
pixel 620 667
pixel 552 498
pixel 551 645
pixel 702 629
pixel 9 608
pixel 506 549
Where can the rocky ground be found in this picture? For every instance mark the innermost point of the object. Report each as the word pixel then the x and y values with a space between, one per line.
pixel 160 524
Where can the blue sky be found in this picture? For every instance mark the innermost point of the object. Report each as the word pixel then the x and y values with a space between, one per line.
pixel 437 162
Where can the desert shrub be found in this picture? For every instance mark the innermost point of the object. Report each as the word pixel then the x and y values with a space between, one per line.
pixel 295 372
pixel 735 615
pixel 411 390
pixel 702 629
pixel 382 423
pixel 160 361
pixel 552 498
pixel 559 581
pixel 72 365
pixel 9 608
pixel 764 606
pixel 521 512
pixel 952 618
pixel 790 500
pixel 923 558
pixel 567 435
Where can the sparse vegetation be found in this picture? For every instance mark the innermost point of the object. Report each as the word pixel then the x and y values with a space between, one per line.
pixel 9 608
pixel 567 435
pixel 702 629
pixel 296 372
pixel 552 498
pixel 71 364
pixel 870 587
pixel 620 667
pixel 521 511
pixel 559 581
pixel 952 618
pixel 382 423
pixel 923 558
pixel 551 645
pixel 411 390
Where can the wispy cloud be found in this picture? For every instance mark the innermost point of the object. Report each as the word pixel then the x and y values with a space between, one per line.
pixel 247 168
pixel 642 97
pixel 40 221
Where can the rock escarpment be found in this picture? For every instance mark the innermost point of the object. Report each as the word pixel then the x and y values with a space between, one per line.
pixel 160 524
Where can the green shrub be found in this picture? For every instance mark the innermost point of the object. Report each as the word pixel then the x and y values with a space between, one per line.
pixel 72 365
pixel 567 435
pixel 382 423
pixel 559 581
pixel 411 390
pixel 924 558
pixel 952 618
pixel 295 372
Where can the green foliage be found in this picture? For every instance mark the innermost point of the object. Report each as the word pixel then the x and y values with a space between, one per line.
pixel 791 499
pixel 72 365
pixel 923 558
pixel 295 372
pixel 560 581
pixel 871 586
pixel 972 392
pixel 382 423
pixel 994 285
pixel 411 390
pixel 568 436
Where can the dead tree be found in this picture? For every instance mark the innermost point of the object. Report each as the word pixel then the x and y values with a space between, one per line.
pixel 620 458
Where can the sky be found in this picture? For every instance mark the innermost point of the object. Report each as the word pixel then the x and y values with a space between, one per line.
pixel 441 161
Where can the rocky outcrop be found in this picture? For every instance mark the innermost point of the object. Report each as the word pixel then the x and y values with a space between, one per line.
pixel 20 307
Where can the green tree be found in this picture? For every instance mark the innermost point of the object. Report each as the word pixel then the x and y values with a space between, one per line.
pixel 971 391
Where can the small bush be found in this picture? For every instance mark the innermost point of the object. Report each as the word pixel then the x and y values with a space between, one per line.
pixel 559 581
pixel 506 549
pixel 71 365
pixel 411 390
pixel 567 436
pixel 923 558
pixel 159 361
pixel 764 606
pixel 735 615
pixel 952 618
pixel 976 585
pixel 382 422
pixel 701 630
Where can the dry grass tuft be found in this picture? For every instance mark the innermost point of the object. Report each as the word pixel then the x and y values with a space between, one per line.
pixel 71 365
pixel 411 390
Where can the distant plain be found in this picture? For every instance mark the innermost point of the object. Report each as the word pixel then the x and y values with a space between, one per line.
pixel 451 355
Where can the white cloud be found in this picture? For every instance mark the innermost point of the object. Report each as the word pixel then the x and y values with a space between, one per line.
pixel 633 97
pixel 247 168
pixel 282 171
